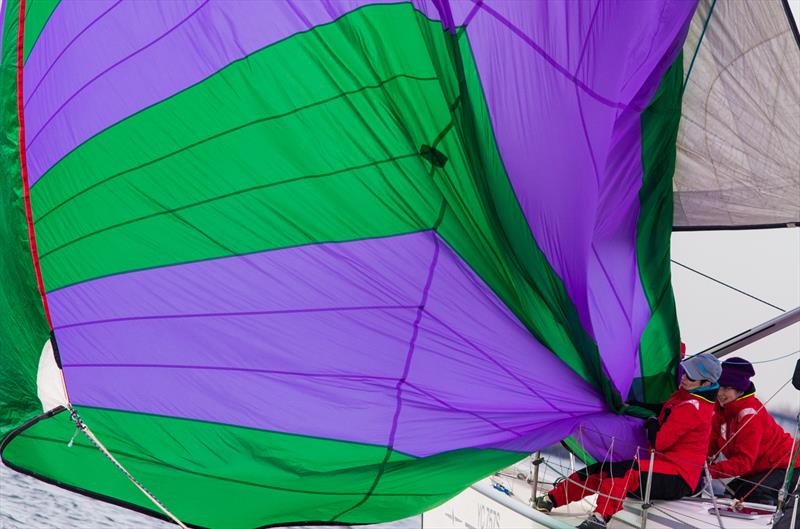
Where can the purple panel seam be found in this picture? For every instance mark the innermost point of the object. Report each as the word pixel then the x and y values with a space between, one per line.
pixel 613 287
pixel 236 255
pixel 93 79
pixel 528 40
pixel 578 95
pixel 61 53
pixel 414 334
pixel 495 362
pixel 235 314
pixel 229 368
pixel 472 13
pixel 446 14
pixel 406 368
pixel 594 162
pixel 304 19
pixel 453 408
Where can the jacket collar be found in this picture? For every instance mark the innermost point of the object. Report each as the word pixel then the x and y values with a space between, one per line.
pixel 704 394
pixel 747 400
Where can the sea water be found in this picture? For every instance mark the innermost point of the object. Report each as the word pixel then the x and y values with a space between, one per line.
pixel 27 503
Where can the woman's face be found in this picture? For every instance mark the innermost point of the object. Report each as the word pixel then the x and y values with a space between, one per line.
pixel 688 384
pixel 727 394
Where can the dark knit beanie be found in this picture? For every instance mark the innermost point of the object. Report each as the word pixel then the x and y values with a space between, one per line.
pixel 736 373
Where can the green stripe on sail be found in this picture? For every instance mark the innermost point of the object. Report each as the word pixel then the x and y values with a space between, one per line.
pixel 37 13
pixel 576 448
pixel 660 341
pixel 332 156
pixel 222 476
pixel 23 327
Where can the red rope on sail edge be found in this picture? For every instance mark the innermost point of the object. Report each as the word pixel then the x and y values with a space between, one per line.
pixel 23 161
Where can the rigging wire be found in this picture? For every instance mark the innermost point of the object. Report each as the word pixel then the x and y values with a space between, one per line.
pixel 750 418
pixel 727 285
pixel 697 48
pixel 768 360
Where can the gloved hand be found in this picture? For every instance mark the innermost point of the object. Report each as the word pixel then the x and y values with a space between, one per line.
pixel 651 425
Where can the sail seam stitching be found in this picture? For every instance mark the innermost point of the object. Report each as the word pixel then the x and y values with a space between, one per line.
pixel 235 314
pixel 409 356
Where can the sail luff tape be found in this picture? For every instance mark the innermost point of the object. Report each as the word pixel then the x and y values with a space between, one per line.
pixel 95 441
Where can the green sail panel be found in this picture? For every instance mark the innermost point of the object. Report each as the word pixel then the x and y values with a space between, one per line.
pixel 37 13
pixel 661 338
pixel 241 472
pixel 24 329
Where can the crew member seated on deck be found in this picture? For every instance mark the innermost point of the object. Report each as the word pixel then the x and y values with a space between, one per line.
pixel 756 448
pixel 679 436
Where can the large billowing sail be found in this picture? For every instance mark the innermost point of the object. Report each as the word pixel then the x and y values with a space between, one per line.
pixel 332 261
pixel 738 162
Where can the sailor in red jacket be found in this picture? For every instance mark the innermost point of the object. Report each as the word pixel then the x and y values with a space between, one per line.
pixel 680 436
pixel 756 448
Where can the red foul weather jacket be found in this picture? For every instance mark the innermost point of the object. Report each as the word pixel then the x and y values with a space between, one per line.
pixel 684 434
pixel 760 444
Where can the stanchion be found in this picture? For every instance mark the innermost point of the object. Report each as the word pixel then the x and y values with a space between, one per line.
pixel 537 460
pixel 646 504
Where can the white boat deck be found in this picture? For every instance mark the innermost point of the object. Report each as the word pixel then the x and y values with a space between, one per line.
pixel 503 502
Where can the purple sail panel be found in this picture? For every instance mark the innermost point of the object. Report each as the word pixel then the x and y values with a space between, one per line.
pixel 92 59
pixel 565 100
pixel 370 273
pixel 613 437
pixel 68 22
pixel 251 342
pixel 329 341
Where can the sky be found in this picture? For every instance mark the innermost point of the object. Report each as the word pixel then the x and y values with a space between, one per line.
pixel 795 5
pixel 764 263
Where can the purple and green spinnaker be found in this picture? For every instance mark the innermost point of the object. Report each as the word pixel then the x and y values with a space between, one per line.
pixel 333 262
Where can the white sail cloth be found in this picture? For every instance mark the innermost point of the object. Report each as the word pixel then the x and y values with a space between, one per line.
pixel 738 161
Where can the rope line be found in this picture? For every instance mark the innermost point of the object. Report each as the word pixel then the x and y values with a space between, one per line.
pixel 80 425
pixel 666 512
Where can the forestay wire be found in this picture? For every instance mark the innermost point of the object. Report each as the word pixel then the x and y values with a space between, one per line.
pixel 723 283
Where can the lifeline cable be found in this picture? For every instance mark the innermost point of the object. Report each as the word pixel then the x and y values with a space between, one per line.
pixel 583 485
pixel 768 360
pixel 600 433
